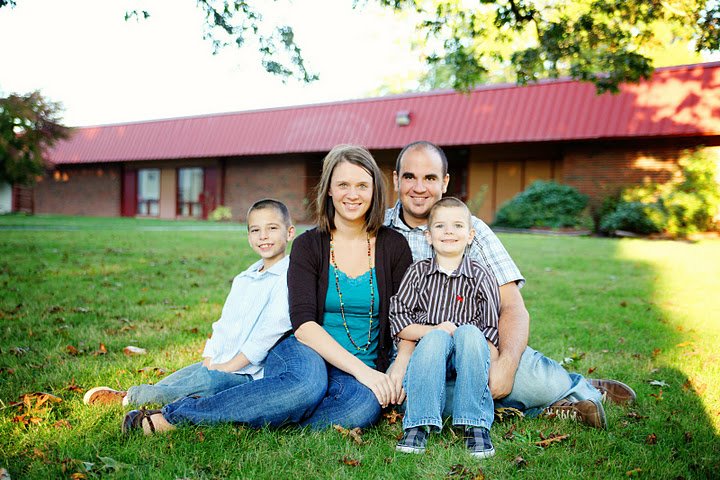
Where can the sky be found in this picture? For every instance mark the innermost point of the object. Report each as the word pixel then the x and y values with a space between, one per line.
pixel 104 70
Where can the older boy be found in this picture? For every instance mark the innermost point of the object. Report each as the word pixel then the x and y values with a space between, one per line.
pixel 254 317
pixel 449 304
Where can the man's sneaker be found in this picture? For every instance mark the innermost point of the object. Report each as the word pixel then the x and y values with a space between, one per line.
pixel 590 412
pixel 614 391
pixel 477 441
pixel 414 440
pixel 103 396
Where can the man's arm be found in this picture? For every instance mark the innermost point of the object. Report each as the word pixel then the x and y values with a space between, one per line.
pixel 513 330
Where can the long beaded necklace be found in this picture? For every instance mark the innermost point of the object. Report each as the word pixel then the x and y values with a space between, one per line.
pixel 342 305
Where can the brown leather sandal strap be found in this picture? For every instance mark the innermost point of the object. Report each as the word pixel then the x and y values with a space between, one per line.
pixel 147 416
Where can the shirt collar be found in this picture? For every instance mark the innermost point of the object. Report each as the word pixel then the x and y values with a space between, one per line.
pixel 278 269
pixel 395 220
pixel 464 269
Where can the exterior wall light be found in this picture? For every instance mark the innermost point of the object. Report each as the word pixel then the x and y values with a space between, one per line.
pixel 402 118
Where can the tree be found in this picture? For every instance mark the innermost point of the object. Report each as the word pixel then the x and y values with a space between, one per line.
pixel 29 125
pixel 600 41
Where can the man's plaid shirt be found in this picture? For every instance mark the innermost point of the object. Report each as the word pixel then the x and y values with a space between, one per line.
pixel 485 248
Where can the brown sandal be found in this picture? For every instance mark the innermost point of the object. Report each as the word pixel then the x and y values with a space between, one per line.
pixel 134 418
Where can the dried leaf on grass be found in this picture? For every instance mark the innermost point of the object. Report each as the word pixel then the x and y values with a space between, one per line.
pixel 651 439
pixel 355 434
pixel 464 473
pixel 520 462
pixel 658 396
pixel 350 461
pixel 507 412
pixel 36 399
pixel 392 417
pixel 553 438
pixel 634 471
pixel 73 387
pixel 131 350
pixel 102 350
pixel 158 371
pixel 509 435
pixel 19 351
pixel 62 424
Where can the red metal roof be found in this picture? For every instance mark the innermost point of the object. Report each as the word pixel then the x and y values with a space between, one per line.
pixel 677 101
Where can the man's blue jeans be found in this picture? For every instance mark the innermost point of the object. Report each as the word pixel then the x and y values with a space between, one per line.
pixel 193 380
pixel 540 382
pixel 438 356
pixel 298 387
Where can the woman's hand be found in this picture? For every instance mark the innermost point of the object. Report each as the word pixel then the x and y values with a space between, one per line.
pixel 381 385
pixel 396 372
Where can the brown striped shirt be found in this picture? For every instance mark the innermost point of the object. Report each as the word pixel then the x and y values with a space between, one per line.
pixel 427 296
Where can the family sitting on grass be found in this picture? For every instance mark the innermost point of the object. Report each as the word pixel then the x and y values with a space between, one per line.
pixel 346 326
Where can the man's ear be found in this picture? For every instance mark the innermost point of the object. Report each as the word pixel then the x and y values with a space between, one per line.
pixel 396 181
pixel 427 236
pixel 446 180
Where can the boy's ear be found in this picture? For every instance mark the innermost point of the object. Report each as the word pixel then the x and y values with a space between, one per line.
pixel 290 233
pixel 471 236
pixel 427 236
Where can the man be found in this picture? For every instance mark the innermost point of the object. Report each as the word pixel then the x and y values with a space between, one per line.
pixel 521 377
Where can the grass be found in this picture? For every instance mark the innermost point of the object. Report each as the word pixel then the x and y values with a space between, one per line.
pixel 635 310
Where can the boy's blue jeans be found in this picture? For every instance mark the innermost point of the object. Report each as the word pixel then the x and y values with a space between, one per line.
pixel 438 356
pixel 194 380
pixel 298 387
pixel 539 382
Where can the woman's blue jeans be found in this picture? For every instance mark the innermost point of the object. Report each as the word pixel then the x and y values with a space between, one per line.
pixel 298 387
pixel 438 356
pixel 193 380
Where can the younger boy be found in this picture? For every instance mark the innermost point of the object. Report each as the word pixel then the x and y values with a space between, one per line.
pixel 449 304
pixel 254 317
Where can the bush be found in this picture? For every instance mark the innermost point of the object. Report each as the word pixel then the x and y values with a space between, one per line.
pixel 220 214
pixel 689 203
pixel 544 204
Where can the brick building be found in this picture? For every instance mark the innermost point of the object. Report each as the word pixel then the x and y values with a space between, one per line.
pixel 498 139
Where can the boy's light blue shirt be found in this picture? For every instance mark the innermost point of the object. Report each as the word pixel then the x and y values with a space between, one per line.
pixel 254 317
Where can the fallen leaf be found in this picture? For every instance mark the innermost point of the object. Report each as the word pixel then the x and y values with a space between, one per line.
pixel 200 436
pixel 658 383
pixel 19 351
pixel 73 387
pixel 507 412
pixel 392 417
pixel 553 438
pixel 81 310
pixel 658 396
pixel 350 461
pixel 62 424
pixel 688 437
pixel 656 352
pixel 102 350
pixel 7 370
pixel 635 416
pixel 591 370
pixel 509 435
pixel 26 419
pixel 520 462
pixel 55 309
pixel 78 476
pixel 71 350
pixel 684 344
pixel 695 385
pixel 632 472
pixel 40 399
pixel 355 434
pixel 156 370
pixel 131 350
pixel 623 304
pixel 651 439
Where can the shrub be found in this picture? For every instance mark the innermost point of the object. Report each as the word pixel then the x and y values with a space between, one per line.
pixel 544 204
pixel 689 203
pixel 221 214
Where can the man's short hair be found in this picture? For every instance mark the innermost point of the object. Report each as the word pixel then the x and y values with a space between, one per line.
pixel 449 202
pixel 425 145
pixel 272 203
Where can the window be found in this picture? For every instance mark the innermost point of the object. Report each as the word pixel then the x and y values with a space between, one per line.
pixel 148 192
pixel 189 192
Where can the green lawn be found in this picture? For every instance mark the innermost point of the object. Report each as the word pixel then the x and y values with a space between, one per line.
pixel 640 311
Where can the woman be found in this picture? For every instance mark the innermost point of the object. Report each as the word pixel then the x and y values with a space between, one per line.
pixel 340 279
pixel 330 371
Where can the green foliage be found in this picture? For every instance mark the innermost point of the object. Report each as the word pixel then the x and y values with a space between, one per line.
pixel 544 204
pixel 687 204
pixel 221 214
pixel 29 125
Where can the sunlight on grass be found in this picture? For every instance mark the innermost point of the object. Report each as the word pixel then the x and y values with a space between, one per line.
pixel 687 292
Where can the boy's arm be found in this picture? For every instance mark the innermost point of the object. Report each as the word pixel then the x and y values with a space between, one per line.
pixel 273 323
pixel 236 363
pixel 416 331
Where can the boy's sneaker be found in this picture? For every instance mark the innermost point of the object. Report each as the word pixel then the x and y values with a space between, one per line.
pixel 590 412
pixel 614 391
pixel 477 441
pixel 103 396
pixel 414 440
